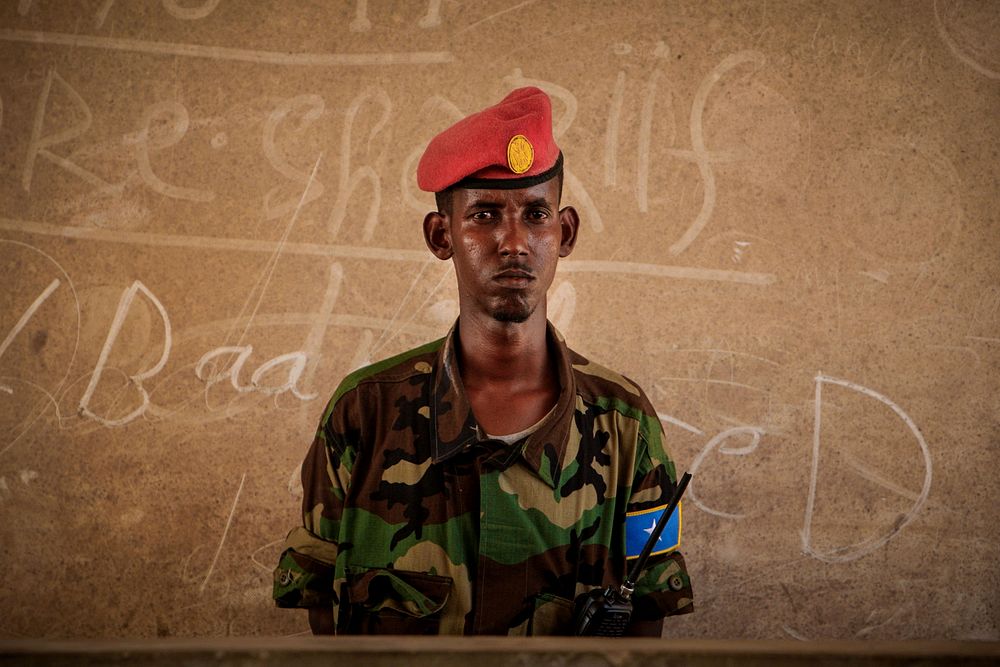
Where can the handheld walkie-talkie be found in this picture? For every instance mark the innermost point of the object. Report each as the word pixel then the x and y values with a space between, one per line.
pixel 607 612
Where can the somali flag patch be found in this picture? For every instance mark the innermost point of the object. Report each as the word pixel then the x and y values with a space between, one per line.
pixel 639 526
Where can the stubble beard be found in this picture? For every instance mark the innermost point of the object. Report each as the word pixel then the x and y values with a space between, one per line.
pixel 515 310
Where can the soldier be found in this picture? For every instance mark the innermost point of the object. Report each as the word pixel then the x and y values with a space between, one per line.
pixel 480 483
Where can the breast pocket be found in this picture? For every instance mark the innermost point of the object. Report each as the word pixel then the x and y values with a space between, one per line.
pixel 392 602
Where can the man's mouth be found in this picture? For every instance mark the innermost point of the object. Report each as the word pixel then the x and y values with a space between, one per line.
pixel 514 277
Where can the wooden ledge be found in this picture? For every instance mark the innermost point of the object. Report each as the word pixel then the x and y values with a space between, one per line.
pixel 493 651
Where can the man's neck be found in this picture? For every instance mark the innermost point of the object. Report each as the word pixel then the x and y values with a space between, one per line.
pixel 511 354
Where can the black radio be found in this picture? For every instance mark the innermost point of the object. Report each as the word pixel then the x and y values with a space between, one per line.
pixel 607 612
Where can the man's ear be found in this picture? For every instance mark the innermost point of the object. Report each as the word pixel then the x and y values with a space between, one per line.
pixel 437 234
pixel 569 223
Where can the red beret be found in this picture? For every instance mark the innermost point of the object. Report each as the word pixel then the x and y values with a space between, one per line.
pixel 506 146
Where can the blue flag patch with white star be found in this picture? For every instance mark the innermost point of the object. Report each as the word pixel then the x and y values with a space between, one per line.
pixel 639 526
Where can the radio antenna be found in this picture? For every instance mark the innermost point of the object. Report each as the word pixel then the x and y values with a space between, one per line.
pixel 628 586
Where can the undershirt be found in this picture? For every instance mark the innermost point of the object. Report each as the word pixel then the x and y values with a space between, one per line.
pixel 511 438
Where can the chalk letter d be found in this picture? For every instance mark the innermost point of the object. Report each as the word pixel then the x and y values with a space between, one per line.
pixel 842 554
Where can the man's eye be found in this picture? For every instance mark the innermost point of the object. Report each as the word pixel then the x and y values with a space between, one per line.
pixel 538 215
pixel 483 216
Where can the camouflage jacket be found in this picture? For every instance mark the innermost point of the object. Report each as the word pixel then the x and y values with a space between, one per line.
pixel 415 521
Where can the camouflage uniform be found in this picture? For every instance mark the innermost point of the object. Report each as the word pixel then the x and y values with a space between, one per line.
pixel 415 521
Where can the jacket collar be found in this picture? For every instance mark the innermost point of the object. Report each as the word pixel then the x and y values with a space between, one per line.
pixel 455 428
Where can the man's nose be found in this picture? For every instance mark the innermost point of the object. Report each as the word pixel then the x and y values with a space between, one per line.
pixel 513 237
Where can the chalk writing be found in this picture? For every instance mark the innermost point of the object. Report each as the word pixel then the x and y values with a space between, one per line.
pixel 296 360
pixel 35 305
pixel 310 107
pixel 793 633
pixel 314 339
pixel 739 247
pixel 920 202
pixel 190 13
pixel 173 7
pixel 296 365
pixel 124 304
pixel 867 545
pixel 569 265
pixel 269 567
pixel 432 18
pixel 613 130
pixel 39 145
pixel 486 19
pixel 350 180
pixel 102 13
pixel 880 275
pixel 227 53
pixel 700 154
pixel 49 396
pixel 662 51
pixel 868 53
pixel 836 554
pixel 267 271
pixel 393 330
pixel 360 22
pixel 985 314
pixel 242 353
pixel 562 306
pixel 677 422
pixel 560 124
pixel 175 117
pixel 213 242
pixel 716 442
pixel 165 124
pixel 273 280
pixel 666 271
pixel 225 531
pixel 438 111
pixel 958 51
pixel 645 141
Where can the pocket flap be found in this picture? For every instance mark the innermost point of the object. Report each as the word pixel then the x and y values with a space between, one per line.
pixel 553 616
pixel 415 594
pixel 302 581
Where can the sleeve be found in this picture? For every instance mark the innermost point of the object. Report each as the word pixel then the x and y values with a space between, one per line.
pixel 305 573
pixel 664 587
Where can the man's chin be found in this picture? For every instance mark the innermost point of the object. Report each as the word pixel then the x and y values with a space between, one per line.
pixel 514 313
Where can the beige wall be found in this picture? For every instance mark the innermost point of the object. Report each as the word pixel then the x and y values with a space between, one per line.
pixel 789 239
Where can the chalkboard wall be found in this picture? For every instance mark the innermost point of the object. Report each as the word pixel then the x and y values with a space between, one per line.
pixel 789 238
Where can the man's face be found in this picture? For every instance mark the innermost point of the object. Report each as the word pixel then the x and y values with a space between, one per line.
pixel 505 245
